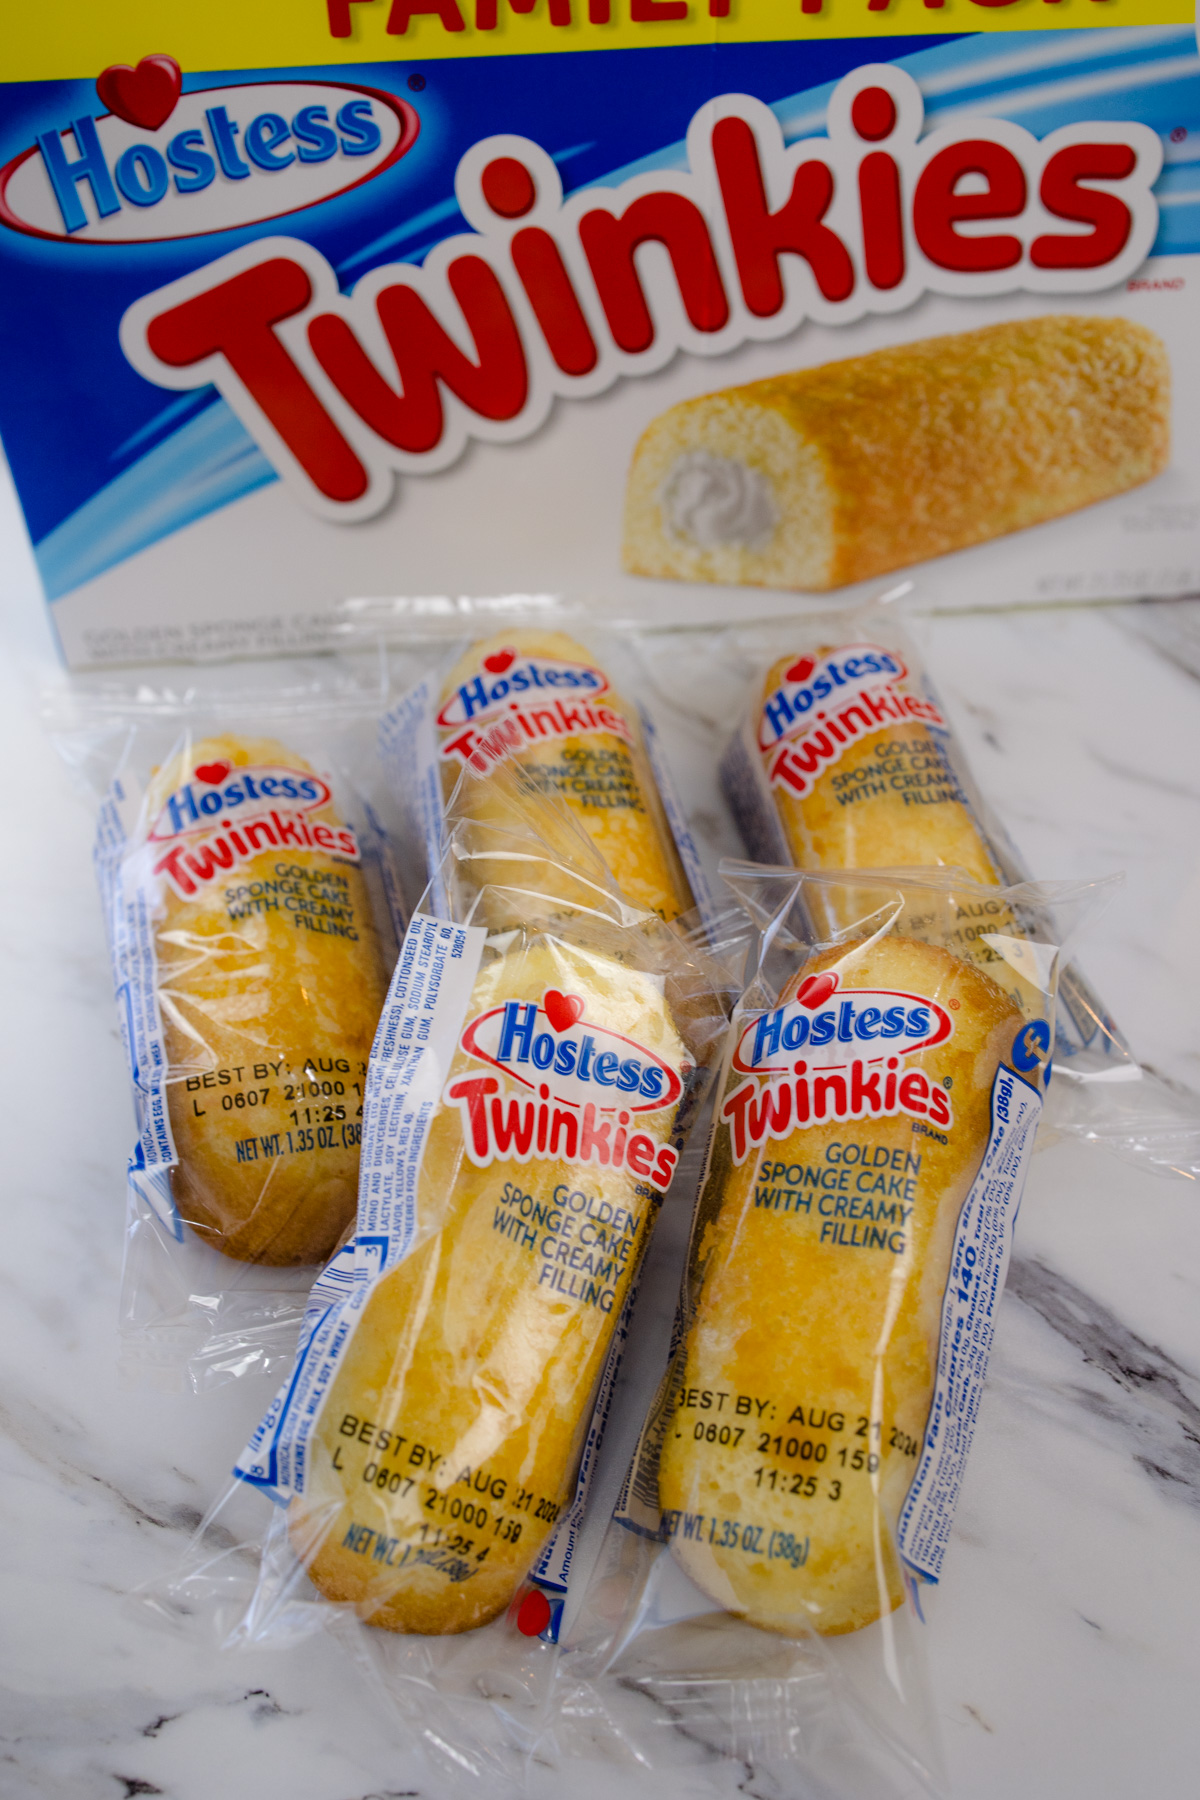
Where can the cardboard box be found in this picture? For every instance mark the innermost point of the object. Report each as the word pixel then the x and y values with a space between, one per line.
pixel 332 297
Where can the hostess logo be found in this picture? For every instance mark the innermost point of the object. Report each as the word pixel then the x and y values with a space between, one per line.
pixel 825 704
pixel 218 788
pixel 225 816
pixel 811 680
pixel 515 702
pixel 581 1088
pixel 160 163
pixel 551 1042
pixel 506 676
pixel 833 1054
pixel 857 1022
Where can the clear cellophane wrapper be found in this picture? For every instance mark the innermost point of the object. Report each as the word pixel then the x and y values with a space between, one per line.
pixel 251 864
pixel 1103 1094
pixel 543 1054
pixel 556 685
pixel 759 1597
pixel 699 687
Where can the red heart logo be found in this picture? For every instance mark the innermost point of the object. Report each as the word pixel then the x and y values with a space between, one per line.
pixel 143 96
pixel 801 670
pixel 213 773
pixel 500 661
pixel 562 1010
pixel 814 990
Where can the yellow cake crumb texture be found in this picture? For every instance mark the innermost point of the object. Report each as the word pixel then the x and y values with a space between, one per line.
pixel 907 453
pixel 267 1029
pixel 826 1345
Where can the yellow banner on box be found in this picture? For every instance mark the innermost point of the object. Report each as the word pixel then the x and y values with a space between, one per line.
pixel 74 39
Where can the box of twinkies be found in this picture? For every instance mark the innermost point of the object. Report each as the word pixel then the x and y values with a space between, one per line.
pixel 643 298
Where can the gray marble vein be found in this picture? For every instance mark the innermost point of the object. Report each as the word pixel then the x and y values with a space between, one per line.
pixel 1154 1401
pixel 1172 626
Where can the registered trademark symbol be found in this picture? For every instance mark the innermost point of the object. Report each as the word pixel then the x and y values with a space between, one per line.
pixel 954 1005
pixel 416 83
pixel 1179 133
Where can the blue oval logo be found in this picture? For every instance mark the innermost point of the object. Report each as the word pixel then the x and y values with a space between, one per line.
pixel 225 158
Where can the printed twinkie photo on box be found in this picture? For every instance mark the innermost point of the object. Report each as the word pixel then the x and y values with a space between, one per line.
pixel 601 296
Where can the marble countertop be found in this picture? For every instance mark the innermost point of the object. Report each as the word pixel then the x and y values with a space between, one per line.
pixel 1064 1647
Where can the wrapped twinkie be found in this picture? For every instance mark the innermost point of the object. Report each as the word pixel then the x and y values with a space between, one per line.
pixel 529 1087
pixel 831 475
pixel 268 980
pixel 252 904
pixel 856 1116
pixel 800 1466
pixel 843 757
pixel 844 760
pixel 537 697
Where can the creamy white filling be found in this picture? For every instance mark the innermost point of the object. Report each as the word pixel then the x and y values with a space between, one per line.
pixel 713 502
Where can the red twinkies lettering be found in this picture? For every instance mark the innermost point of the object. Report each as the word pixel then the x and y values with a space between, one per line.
pixel 410 416
pixel 798 762
pixel 760 237
pixel 501 1127
pixel 858 1089
pixel 546 297
pixel 521 726
pixel 821 708
pixel 193 863
pixel 232 325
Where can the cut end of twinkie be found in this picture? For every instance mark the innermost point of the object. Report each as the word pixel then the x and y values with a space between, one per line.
pixel 835 474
